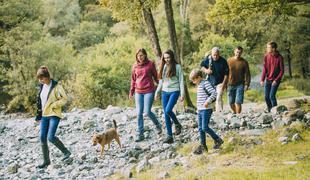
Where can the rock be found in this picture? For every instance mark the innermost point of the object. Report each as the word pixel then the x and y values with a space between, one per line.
pixel 82 156
pixel 296 137
pixel 143 165
pixel 253 132
pixel 2 128
pixel 89 124
pixel 265 119
pixel 163 175
pixel 283 139
pixel 278 109
pixel 277 124
pixel 293 104
pixel 12 169
pixel 232 140
pixel 126 173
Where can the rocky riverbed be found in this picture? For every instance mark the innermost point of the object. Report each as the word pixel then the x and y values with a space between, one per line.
pixel 20 149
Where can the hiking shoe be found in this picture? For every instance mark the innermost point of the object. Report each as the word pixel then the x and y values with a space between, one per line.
pixel 159 129
pixel 169 140
pixel 200 149
pixel 178 129
pixel 218 143
pixel 140 138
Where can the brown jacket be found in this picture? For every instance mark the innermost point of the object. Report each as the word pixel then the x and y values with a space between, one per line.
pixel 239 72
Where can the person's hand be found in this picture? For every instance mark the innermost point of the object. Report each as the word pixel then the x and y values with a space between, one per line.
pixel 262 83
pixel 208 71
pixel 224 87
pixel 130 96
pixel 181 99
pixel 206 104
pixel 156 97
pixel 274 83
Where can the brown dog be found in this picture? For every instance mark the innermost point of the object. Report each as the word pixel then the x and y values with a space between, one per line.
pixel 106 138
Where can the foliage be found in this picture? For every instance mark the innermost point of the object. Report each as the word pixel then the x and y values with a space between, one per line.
pixel 61 15
pixel 87 34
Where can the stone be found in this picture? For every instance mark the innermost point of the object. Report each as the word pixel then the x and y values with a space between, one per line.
pixel 12 169
pixel 296 137
pixel 265 119
pixel 143 165
pixel 278 109
pixel 163 175
pixel 283 139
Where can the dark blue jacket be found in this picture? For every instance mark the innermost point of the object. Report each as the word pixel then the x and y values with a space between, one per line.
pixel 219 69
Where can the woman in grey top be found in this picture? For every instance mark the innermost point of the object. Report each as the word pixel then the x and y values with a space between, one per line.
pixel 172 86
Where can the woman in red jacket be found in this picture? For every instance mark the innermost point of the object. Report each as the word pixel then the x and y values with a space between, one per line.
pixel 273 71
pixel 143 76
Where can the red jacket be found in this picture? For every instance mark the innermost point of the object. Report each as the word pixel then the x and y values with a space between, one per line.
pixel 273 69
pixel 143 77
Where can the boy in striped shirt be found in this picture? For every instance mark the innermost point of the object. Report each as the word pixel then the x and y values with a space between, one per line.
pixel 206 94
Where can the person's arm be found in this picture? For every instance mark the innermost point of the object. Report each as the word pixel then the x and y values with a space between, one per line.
pixel 133 82
pixel 226 72
pixel 262 79
pixel 181 82
pixel 61 96
pixel 281 64
pixel 159 88
pixel 211 90
pixel 39 109
pixel 247 79
pixel 154 73
pixel 205 66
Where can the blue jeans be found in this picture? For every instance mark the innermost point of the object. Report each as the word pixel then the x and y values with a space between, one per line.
pixel 169 99
pixel 48 127
pixel 270 94
pixel 235 94
pixel 203 125
pixel 145 102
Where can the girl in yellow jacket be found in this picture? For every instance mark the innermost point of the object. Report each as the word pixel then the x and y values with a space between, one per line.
pixel 49 102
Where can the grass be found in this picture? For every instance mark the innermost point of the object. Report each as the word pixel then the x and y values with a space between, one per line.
pixel 242 161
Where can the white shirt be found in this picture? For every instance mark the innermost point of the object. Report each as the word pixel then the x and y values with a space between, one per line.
pixel 44 93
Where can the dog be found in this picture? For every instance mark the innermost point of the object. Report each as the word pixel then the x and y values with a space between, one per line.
pixel 106 138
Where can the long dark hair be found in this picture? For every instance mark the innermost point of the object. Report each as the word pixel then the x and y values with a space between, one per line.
pixel 172 68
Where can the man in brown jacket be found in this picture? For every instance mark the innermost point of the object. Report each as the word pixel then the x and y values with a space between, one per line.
pixel 238 80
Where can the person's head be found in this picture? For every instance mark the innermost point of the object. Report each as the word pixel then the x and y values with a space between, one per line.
pixel 238 52
pixel 215 53
pixel 43 75
pixel 141 55
pixel 196 76
pixel 272 47
pixel 168 59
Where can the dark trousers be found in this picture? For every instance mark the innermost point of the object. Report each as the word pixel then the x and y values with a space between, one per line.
pixel 270 94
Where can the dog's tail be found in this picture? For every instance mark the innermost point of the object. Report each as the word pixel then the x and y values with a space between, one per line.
pixel 114 123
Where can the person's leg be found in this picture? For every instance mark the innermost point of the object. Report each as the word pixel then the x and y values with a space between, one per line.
pixel 203 146
pixel 273 92
pixel 148 102
pixel 231 93
pixel 139 100
pixel 169 109
pixel 239 98
pixel 165 100
pixel 267 95
pixel 44 124
pixel 219 98
pixel 54 121
pixel 205 124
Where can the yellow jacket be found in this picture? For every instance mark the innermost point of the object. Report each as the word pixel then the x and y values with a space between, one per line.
pixel 56 99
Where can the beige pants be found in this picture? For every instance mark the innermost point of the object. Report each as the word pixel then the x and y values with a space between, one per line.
pixel 219 98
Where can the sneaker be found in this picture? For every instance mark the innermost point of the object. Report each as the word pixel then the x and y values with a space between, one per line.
pixel 178 129
pixel 169 140
pixel 139 138
pixel 218 143
pixel 200 149
pixel 159 129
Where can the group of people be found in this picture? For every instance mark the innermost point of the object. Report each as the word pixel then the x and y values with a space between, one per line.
pixel 214 76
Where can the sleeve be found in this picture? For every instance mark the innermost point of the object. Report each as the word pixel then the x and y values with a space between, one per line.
pixel 61 96
pixel 226 68
pixel 159 87
pixel 247 79
pixel 181 81
pixel 264 70
pixel 39 109
pixel 154 73
pixel 211 90
pixel 133 81
pixel 281 64
pixel 205 63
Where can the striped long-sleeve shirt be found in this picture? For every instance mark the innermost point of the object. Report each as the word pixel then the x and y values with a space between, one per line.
pixel 205 94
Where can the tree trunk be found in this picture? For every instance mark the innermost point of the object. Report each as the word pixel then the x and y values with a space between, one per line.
pixel 174 45
pixel 150 24
pixel 171 29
